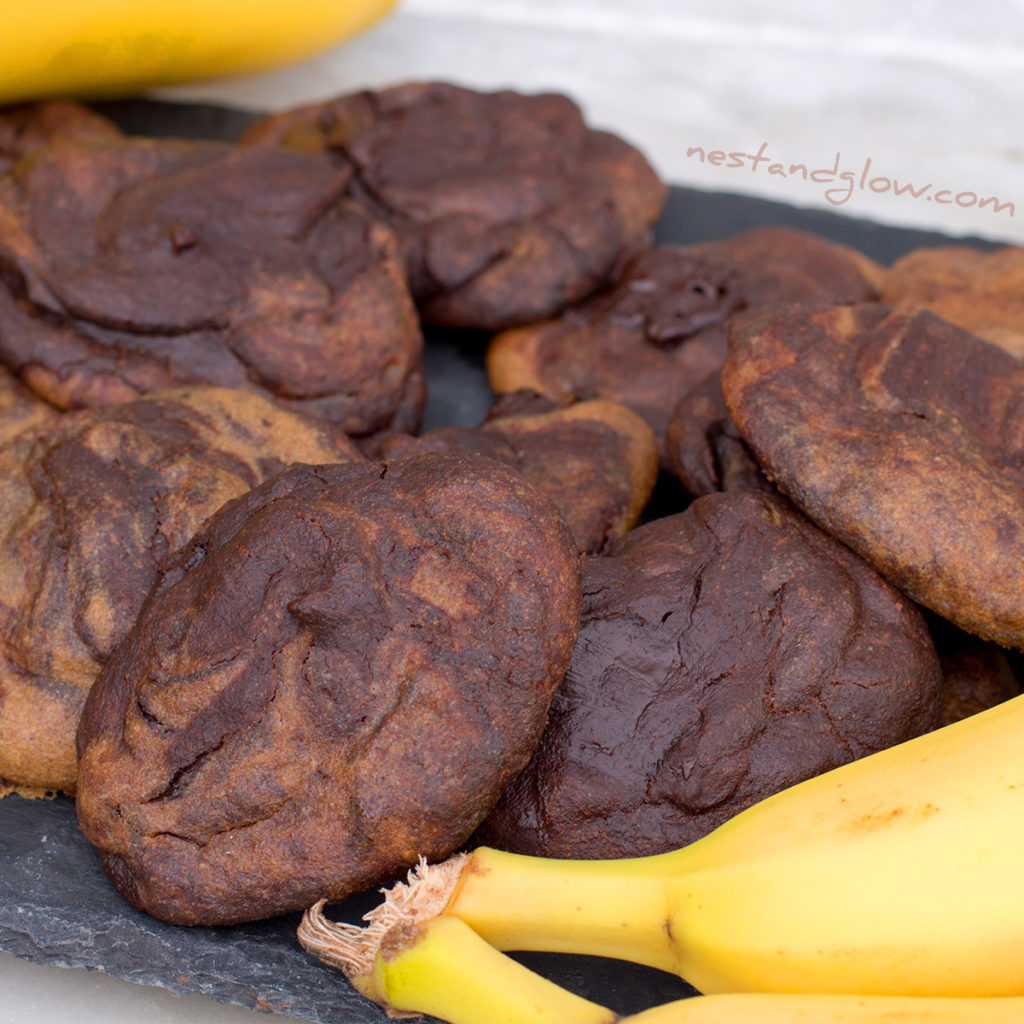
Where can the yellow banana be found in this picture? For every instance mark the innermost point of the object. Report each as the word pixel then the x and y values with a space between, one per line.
pixel 442 967
pixel 759 1008
pixel 899 874
pixel 117 47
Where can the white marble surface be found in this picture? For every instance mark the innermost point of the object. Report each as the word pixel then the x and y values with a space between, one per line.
pixel 929 91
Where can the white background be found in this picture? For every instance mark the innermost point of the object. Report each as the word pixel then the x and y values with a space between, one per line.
pixel 931 92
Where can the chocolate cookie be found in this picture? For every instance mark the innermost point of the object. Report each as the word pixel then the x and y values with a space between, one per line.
pixel 976 674
pixel 596 461
pixel 983 292
pixel 92 503
pixel 508 207
pixel 661 328
pixel 341 674
pixel 20 409
pixel 778 265
pixel 137 265
pixel 643 341
pixel 725 653
pixel 26 127
pixel 703 448
pixel 902 435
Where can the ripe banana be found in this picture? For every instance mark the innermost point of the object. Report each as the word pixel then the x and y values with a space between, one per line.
pixel 117 47
pixel 442 967
pixel 820 1009
pixel 899 874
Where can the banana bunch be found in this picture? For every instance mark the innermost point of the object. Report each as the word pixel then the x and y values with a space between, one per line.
pixel 115 47
pixel 442 967
pixel 898 875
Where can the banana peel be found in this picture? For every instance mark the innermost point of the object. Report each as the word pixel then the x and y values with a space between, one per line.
pixel 108 48
pixel 409 966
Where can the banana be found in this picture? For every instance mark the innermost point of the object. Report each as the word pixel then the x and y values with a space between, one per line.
pixel 117 47
pixel 898 874
pixel 822 1009
pixel 440 966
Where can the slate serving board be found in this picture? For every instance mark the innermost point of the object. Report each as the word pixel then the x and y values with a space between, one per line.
pixel 56 905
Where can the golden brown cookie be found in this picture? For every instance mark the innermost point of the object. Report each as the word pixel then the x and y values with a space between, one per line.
pixel 92 504
pixel 902 435
pixel 508 207
pixel 339 676
pixel 981 291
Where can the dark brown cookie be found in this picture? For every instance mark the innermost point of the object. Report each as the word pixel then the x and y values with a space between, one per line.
pixel 976 674
pixel 661 328
pixel 778 265
pixel 340 675
pixel 30 126
pixel 725 653
pixel 902 435
pixel 507 206
pixel 643 341
pixel 983 292
pixel 138 265
pixel 595 460
pixel 92 503
pixel 703 448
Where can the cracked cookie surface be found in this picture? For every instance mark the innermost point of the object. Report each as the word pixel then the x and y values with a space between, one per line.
pixel 596 460
pixel 133 265
pixel 661 328
pixel 725 653
pixel 340 675
pixel 508 207
pixel 92 502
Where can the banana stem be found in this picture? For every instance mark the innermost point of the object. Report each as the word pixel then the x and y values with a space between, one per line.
pixel 610 908
pixel 440 966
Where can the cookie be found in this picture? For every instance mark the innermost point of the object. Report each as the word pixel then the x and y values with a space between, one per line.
pixel 595 460
pixel 340 675
pixel 902 435
pixel 138 265
pixel 642 342
pixel 725 653
pixel 662 327
pixel 983 292
pixel 976 674
pixel 93 502
pixel 27 127
pixel 703 448
pixel 20 409
pixel 508 207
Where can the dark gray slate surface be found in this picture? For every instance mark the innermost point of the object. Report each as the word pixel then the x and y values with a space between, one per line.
pixel 56 905
pixel 57 908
